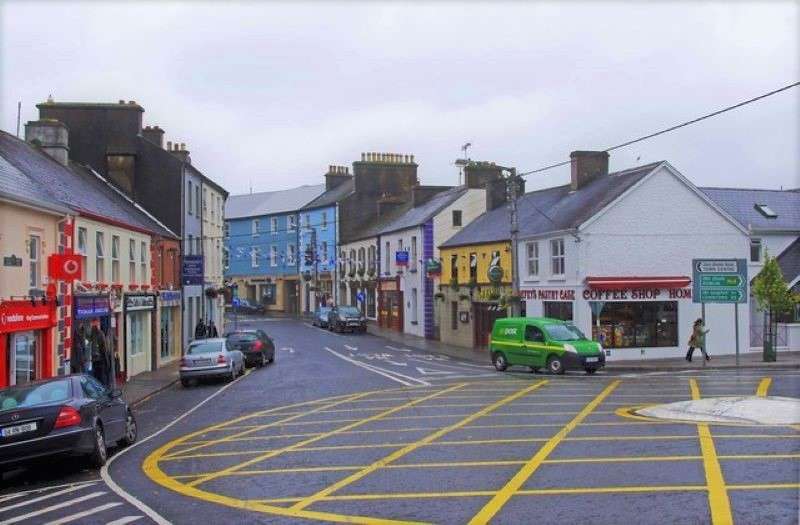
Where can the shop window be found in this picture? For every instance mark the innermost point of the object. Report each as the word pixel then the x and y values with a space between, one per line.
pixel 273 255
pixel 82 242
pixel 456 218
pixel 532 250
pixel 557 257
pixel 143 262
pixel 136 327
pixel 454 315
pixel 23 359
pixel 755 250
pixel 132 260
pixel 414 317
pixel 100 257
pixel 35 260
pixel 637 324
pixel 558 310
pixel 115 259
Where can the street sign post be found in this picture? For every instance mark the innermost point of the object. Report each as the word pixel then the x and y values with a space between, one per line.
pixel 721 281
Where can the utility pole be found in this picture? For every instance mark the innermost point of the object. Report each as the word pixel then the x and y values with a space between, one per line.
pixel 513 189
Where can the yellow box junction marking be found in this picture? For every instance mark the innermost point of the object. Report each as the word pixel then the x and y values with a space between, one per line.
pixel 502 496
pixel 300 444
pixel 718 500
pixel 763 387
pixel 413 446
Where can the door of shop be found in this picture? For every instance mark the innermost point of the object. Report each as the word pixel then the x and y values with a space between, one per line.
pixel 292 297
pixel 391 310
pixel 483 317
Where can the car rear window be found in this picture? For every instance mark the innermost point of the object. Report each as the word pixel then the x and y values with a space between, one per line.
pixel 205 347
pixel 242 338
pixel 31 395
pixel 349 310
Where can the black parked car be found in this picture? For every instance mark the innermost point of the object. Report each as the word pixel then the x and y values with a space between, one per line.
pixel 74 415
pixel 257 347
pixel 342 318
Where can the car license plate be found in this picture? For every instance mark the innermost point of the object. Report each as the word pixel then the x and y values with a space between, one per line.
pixel 591 359
pixel 18 429
pixel 202 362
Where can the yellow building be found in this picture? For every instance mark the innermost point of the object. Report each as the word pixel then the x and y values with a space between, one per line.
pixel 474 290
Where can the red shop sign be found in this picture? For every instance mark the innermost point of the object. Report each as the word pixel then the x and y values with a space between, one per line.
pixel 16 316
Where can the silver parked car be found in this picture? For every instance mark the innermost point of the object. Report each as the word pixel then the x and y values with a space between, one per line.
pixel 211 358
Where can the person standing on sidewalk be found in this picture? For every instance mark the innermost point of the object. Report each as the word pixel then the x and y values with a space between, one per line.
pixel 200 330
pixel 698 340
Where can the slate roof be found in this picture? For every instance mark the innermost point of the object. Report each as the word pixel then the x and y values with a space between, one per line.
pixel 421 214
pixel 271 202
pixel 16 186
pixel 77 187
pixel 789 261
pixel 378 225
pixel 333 196
pixel 551 209
pixel 740 204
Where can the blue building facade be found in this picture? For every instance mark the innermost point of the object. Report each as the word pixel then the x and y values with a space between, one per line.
pixel 318 243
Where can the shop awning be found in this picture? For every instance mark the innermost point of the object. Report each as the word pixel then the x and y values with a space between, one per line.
pixel 637 283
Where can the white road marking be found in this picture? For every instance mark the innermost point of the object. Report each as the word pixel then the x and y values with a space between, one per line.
pixel 23 517
pixel 79 515
pixel 398 349
pixel 456 365
pixel 351 348
pixel 124 521
pixel 42 498
pixel 429 372
pixel 395 363
pixel 104 474
pixel 14 495
pixel 394 376
pixel 287 349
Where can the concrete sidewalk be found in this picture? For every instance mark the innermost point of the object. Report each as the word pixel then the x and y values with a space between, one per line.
pixel 746 359
pixel 144 385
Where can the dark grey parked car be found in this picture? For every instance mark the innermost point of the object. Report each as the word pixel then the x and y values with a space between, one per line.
pixel 257 347
pixel 321 316
pixel 342 318
pixel 66 416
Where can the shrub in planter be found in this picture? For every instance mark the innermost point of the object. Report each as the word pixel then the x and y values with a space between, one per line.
pixel 439 296
pixel 463 297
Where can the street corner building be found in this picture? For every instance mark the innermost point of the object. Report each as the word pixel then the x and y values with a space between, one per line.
pixel 116 247
pixel 262 239
pixel 613 253
pixel 159 177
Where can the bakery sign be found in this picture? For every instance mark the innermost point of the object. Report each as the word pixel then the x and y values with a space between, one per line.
pixel 16 316
pixel 552 294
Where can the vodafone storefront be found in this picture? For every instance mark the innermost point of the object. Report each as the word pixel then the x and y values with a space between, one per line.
pixel 26 340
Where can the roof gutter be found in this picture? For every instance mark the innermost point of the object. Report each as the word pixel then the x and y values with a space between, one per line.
pixel 50 209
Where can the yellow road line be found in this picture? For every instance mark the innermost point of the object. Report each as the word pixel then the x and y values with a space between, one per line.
pixel 502 496
pixel 765 486
pixel 265 426
pixel 273 453
pixel 763 387
pixel 413 446
pixel 718 500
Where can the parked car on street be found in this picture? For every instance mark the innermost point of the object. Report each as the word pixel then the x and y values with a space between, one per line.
pixel 321 316
pixel 539 342
pixel 257 347
pixel 210 358
pixel 243 306
pixel 65 416
pixel 342 318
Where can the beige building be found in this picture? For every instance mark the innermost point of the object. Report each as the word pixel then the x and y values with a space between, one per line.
pixel 213 226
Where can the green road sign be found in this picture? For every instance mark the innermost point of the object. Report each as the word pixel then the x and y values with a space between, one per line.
pixel 719 280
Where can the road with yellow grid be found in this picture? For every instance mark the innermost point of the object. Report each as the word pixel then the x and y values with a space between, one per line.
pixel 330 434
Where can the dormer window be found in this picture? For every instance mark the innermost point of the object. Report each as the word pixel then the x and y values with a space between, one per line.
pixel 766 211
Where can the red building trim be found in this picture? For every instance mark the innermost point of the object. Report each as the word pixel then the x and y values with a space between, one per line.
pixel 637 283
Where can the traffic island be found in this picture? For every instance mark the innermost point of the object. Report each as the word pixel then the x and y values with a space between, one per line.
pixel 751 410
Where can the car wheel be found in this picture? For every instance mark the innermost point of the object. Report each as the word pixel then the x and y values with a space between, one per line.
pixel 263 361
pixel 185 383
pixel 131 431
pixel 555 365
pixel 99 455
pixel 233 375
pixel 500 363
pixel 590 371
pixel 272 357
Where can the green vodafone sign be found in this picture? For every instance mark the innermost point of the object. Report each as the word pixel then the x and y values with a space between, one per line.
pixel 719 280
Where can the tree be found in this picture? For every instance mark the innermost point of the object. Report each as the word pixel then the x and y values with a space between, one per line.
pixel 774 297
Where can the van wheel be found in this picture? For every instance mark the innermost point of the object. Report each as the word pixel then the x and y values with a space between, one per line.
pixel 500 363
pixel 554 365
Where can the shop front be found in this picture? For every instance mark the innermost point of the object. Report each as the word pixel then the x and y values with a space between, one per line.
pixel 632 317
pixel 169 322
pixel 139 311
pixel 26 340
pixel 390 304
pixel 89 311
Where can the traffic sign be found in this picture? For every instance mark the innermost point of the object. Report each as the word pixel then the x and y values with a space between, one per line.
pixel 719 280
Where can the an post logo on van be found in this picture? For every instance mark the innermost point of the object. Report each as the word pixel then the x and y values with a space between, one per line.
pixel 509 331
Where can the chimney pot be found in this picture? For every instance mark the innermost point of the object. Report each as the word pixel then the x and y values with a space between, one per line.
pixel 412 159
pixel 183 146
pixel 363 157
pixel 121 101
pixel 169 145
pixel 131 102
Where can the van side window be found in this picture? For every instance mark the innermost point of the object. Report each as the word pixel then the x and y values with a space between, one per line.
pixel 534 334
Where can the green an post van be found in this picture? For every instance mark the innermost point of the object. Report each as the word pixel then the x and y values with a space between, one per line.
pixel 539 342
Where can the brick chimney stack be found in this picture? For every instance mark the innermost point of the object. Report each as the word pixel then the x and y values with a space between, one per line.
pixel 154 134
pixel 180 151
pixel 336 176
pixel 587 166
pixel 51 136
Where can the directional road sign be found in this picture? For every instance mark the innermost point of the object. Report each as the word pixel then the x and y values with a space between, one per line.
pixel 719 280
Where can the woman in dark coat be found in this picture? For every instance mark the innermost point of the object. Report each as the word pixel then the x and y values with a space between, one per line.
pixel 200 330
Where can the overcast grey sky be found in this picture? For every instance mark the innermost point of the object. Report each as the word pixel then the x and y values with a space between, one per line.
pixel 274 92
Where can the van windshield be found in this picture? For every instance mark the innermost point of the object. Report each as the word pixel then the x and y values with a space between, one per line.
pixel 564 332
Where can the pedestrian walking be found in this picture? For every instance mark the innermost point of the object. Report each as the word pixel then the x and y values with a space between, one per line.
pixel 97 342
pixel 212 329
pixel 200 330
pixel 698 340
